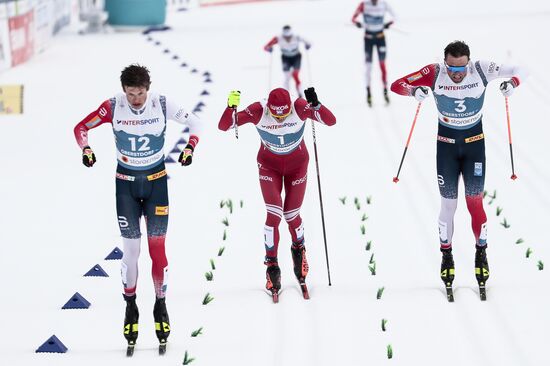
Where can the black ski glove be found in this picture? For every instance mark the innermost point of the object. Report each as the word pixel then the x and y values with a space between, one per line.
pixel 186 156
pixel 311 96
pixel 88 157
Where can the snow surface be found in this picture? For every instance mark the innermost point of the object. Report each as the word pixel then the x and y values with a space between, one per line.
pixel 58 217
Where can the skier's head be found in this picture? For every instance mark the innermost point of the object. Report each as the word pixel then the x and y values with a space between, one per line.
pixel 135 82
pixel 457 57
pixel 374 2
pixel 279 104
pixel 287 31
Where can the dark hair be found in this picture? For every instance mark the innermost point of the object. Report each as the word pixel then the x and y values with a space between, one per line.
pixel 457 49
pixel 286 27
pixel 135 75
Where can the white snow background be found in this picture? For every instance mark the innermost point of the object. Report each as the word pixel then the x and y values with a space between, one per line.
pixel 58 218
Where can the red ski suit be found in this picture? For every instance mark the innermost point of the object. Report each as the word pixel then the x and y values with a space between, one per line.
pixel 282 160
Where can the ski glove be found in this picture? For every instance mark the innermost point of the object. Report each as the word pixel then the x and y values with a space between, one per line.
pixel 311 97
pixel 234 99
pixel 88 157
pixel 388 24
pixel 507 87
pixel 186 156
pixel 420 93
pixel 358 24
pixel 308 46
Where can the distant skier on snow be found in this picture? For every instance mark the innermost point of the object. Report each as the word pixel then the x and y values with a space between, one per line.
pixel 373 12
pixel 458 85
pixel 282 162
pixel 291 57
pixel 138 118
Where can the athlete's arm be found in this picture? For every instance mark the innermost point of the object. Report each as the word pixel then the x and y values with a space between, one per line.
pixel 494 71
pixel 101 115
pixel 320 113
pixel 271 43
pixel 180 115
pixel 358 11
pixel 423 77
pixel 252 114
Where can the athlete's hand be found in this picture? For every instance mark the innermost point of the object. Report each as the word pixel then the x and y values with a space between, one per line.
pixel 311 96
pixel 308 46
pixel 388 24
pixel 88 157
pixel 358 24
pixel 186 156
pixel 234 99
pixel 269 49
pixel 420 93
pixel 507 87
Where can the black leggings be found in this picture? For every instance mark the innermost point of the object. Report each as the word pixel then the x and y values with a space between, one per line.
pixel 139 195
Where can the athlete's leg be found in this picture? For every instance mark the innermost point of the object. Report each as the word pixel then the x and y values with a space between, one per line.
pixel 295 182
pixel 474 180
pixel 271 185
pixel 156 214
pixel 448 171
pixel 129 213
pixel 286 62
pixel 369 44
pixel 381 48
pixel 296 64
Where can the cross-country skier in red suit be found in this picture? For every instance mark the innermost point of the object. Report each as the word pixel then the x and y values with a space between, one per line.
pixel 138 118
pixel 282 161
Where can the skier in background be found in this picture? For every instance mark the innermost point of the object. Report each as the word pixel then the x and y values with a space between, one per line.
pixel 282 161
pixel 138 119
pixel 290 55
pixel 458 85
pixel 373 12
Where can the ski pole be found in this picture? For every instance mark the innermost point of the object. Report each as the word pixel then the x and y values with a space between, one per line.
pixel 514 176
pixel 319 179
pixel 236 127
pixel 396 178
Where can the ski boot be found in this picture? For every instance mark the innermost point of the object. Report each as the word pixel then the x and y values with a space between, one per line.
pixel 162 323
pixel 369 97
pixel 131 323
pixel 300 266
pixel 273 277
pixel 448 272
pixel 386 97
pixel 482 271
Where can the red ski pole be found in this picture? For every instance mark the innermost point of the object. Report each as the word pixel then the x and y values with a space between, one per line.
pixel 396 178
pixel 514 176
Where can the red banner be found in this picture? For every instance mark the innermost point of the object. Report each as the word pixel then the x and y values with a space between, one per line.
pixel 21 37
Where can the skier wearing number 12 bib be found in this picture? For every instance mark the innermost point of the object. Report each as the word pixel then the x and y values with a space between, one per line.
pixel 282 162
pixel 138 118
pixel 458 85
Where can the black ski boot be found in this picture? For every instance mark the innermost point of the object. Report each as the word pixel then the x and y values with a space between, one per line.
pixel 300 266
pixel 273 277
pixel 300 262
pixel 482 270
pixel 448 272
pixel 162 323
pixel 131 318
pixel 369 97
pixel 386 97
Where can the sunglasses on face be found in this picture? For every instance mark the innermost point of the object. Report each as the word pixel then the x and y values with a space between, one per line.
pixel 456 68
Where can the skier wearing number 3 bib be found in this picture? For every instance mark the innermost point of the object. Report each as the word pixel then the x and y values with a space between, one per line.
pixel 138 118
pixel 458 85
pixel 282 162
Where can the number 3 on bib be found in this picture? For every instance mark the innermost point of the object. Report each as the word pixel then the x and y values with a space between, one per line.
pixel 460 107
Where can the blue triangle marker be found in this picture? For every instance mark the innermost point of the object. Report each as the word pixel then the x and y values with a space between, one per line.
pixel 175 150
pixel 52 345
pixel 194 70
pixel 169 159
pixel 200 104
pixel 114 255
pixel 96 271
pixel 205 92
pixel 207 80
pixel 175 57
pixel 183 64
pixel 206 73
pixel 77 301
pixel 157 43
pixel 181 141
pixel 197 109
